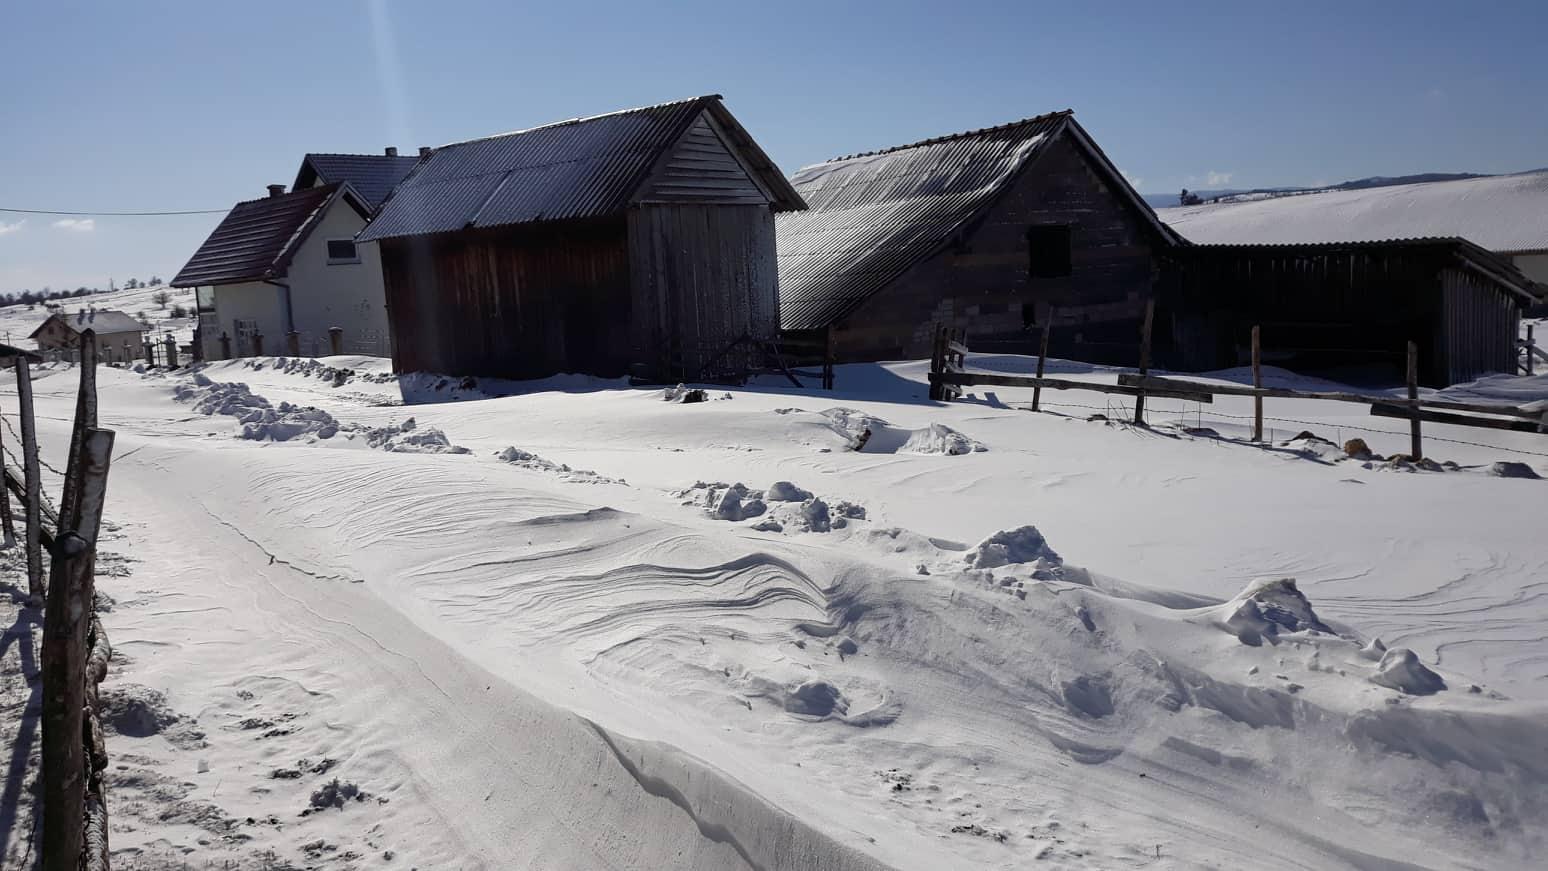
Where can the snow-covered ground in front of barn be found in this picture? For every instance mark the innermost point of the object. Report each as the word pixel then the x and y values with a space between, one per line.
pixel 546 630
pixel 17 321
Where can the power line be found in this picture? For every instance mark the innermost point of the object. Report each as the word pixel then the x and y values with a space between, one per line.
pixel 115 214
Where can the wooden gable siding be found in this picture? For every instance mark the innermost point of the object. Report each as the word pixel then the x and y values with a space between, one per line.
pixel 983 284
pixel 703 169
pixel 1480 324
pixel 701 276
pixel 516 303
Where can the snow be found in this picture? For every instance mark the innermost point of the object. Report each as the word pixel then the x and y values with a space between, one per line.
pixel 17 321
pixel 581 644
pixel 1500 213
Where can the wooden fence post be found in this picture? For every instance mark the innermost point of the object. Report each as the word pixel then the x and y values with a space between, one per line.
pixel 293 343
pixel 7 524
pixel 1257 383
pixel 29 436
pixel 937 363
pixel 172 351
pixel 1531 348
pixel 1144 366
pixel 225 346
pixel 1042 357
pixel 257 344
pixel 336 340
pixel 65 623
pixel 1416 450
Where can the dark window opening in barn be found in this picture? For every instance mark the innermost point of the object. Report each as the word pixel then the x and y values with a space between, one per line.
pixel 342 251
pixel 1048 251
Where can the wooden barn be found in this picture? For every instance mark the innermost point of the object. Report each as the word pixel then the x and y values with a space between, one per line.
pixel 1344 304
pixel 638 241
pixel 983 230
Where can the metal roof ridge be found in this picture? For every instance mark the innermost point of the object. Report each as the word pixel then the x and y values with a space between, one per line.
pixel 572 121
pixel 934 140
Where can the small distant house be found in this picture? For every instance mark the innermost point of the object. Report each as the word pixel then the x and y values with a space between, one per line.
pixel 640 240
pixel 984 230
pixel 280 274
pixel 119 337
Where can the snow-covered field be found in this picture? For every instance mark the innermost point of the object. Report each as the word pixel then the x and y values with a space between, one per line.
pixel 17 321
pixel 581 626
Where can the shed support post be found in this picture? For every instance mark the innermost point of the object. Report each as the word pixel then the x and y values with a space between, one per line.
pixel 1042 357
pixel 1416 450
pixel 1144 363
pixel 1257 383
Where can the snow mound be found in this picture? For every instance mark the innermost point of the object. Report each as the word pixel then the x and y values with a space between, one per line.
pixel 528 460
pixel 1267 607
pixel 873 435
pixel 1024 544
pixel 1400 669
pixel 408 438
pixel 791 508
pixel 1508 469
pixel 259 420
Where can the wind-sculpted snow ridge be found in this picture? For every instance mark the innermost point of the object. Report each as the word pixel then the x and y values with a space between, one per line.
pixel 259 420
pixel 928 703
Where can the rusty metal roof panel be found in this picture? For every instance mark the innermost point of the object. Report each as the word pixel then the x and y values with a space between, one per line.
pixel 870 217
pixel 587 167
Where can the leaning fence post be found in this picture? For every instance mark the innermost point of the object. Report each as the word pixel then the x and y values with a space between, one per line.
pixel 336 340
pixel 65 623
pixel 7 524
pixel 1042 357
pixel 29 435
pixel 1144 366
pixel 1257 384
pixel 1416 451
pixel 1531 349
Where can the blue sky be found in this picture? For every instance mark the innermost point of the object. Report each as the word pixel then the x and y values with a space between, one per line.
pixel 171 105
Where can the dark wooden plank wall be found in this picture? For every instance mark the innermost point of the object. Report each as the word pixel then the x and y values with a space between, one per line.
pixel 703 169
pixel 702 275
pixel 983 285
pixel 511 303
pixel 1481 325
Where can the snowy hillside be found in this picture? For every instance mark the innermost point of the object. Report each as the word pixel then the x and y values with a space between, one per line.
pixel 588 626
pixel 17 321
pixel 1501 213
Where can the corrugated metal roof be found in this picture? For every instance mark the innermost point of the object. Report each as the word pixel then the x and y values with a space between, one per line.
pixel 103 321
pixel 582 168
pixel 373 176
pixel 871 216
pixel 1507 214
pixel 254 239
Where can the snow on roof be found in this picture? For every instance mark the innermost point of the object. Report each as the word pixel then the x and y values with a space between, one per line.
pixel 1505 213
pixel 103 321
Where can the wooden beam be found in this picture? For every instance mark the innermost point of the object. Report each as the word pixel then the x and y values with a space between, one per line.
pixel 1042 357
pixel 1148 381
pixel 1257 383
pixel 1416 451
pixel 1404 412
pixel 968 379
pixel 1144 361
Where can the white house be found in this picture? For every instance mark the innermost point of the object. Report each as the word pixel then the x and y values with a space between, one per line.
pixel 284 275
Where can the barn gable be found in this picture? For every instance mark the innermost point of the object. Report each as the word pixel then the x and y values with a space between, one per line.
pixel 701 167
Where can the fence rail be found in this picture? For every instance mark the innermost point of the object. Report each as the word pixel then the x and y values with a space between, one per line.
pixel 948 374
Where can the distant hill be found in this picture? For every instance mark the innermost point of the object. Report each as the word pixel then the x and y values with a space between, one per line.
pixel 1161 201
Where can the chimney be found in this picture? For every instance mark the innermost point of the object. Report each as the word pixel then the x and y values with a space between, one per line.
pixel 276 190
pixel 392 151
pixel 424 151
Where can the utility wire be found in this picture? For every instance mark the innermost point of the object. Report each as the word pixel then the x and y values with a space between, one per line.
pixel 116 214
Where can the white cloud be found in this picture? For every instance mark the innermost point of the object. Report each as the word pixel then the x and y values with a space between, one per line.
pixel 1215 179
pixel 79 225
pixel 12 227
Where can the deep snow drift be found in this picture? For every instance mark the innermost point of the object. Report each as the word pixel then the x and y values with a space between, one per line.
pixel 621 632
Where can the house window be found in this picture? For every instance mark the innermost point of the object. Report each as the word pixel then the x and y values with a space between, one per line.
pixel 342 251
pixel 204 298
pixel 1048 251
